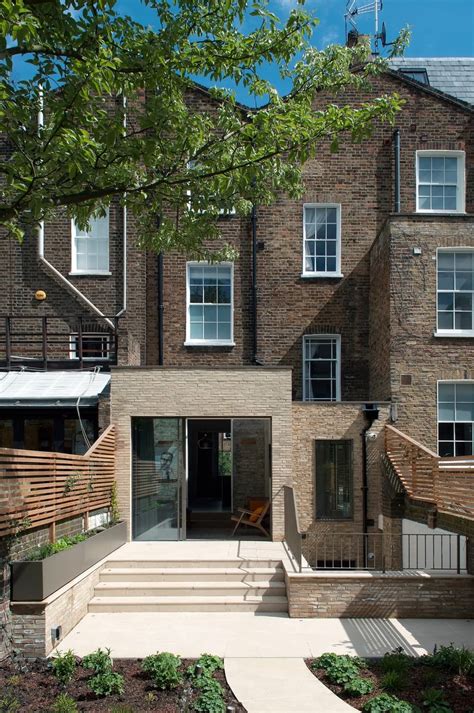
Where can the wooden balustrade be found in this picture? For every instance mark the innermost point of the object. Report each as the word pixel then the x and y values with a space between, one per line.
pixel 40 488
pixel 448 483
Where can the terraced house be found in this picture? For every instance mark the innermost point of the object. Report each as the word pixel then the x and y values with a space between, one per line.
pixel 324 380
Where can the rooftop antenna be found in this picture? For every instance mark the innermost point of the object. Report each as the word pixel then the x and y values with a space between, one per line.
pixel 353 10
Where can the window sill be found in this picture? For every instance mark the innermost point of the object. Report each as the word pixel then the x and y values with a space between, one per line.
pixel 88 273
pixel 208 343
pixel 455 335
pixel 319 275
pixel 441 212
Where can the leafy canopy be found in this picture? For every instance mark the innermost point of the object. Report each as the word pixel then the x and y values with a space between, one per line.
pixel 91 69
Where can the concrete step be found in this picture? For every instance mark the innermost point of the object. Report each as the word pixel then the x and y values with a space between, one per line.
pixel 194 564
pixel 172 589
pixel 194 603
pixel 191 574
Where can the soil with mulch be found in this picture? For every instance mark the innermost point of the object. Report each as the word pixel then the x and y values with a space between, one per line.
pixel 458 690
pixel 33 688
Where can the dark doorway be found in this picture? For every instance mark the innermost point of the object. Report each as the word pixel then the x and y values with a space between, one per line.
pixel 209 466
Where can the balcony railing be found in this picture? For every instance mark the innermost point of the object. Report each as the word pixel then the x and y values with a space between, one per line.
pixel 58 342
pixel 39 488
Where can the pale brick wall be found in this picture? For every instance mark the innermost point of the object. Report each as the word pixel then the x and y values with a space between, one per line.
pixel 205 393
pixel 249 460
pixel 376 595
pixel 31 624
pixel 312 421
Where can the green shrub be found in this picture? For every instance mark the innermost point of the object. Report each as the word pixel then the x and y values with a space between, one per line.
pixel 327 660
pixel 51 548
pixel 98 661
pixel 342 671
pixel 163 669
pixel 208 664
pixel 64 666
pixel 121 708
pixel 358 687
pixel 211 698
pixel 64 704
pixel 9 703
pixel 459 660
pixel 434 702
pixel 387 704
pixel 396 661
pixel 393 681
pixel 106 684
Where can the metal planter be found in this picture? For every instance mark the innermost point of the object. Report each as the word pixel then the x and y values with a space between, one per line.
pixel 36 580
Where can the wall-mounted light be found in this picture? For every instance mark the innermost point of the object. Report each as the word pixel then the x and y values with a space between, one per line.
pixel 40 295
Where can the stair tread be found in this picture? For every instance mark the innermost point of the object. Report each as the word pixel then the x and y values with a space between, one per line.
pixel 264 584
pixel 189 600
pixel 192 570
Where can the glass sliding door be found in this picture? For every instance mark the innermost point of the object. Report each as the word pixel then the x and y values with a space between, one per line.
pixel 158 474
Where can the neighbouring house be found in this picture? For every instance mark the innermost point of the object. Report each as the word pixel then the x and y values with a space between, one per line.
pixel 330 359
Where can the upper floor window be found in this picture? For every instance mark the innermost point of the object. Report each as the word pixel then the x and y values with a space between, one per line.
pixel 322 367
pixel 440 181
pixel 90 247
pixel 95 346
pixel 322 240
pixel 455 292
pixel 334 481
pixel 209 304
pixel 455 418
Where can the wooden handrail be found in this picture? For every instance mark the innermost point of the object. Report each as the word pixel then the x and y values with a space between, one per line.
pixel 40 488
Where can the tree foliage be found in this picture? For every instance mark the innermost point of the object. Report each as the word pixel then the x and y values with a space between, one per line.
pixel 90 68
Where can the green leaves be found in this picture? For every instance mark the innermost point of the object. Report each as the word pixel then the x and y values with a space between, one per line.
pixel 87 58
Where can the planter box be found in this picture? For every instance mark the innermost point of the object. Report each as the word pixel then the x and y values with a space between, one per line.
pixel 34 581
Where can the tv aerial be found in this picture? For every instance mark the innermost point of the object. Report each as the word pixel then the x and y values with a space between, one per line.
pixel 353 10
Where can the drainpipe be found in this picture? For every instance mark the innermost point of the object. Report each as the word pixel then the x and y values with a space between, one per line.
pixel 371 413
pixel 161 309
pixel 255 359
pixel 124 237
pixel 396 152
pixel 41 256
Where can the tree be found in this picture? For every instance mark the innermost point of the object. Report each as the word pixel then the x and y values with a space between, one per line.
pixel 89 71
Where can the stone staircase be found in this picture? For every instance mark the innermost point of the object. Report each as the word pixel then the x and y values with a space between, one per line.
pixel 190 585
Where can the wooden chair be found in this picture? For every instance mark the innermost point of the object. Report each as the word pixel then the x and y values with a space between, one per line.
pixel 258 508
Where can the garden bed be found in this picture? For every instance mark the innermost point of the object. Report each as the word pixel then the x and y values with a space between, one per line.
pixel 34 687
pixel 439 683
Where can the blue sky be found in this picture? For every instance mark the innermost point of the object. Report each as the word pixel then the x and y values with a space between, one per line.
pixel 440 28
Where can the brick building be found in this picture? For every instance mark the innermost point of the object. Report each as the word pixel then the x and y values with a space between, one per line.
pixel 348 309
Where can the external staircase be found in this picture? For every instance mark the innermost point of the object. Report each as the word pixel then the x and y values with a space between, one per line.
pixel 190 585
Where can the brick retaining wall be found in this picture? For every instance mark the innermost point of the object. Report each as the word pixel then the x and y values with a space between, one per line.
pixel 375 595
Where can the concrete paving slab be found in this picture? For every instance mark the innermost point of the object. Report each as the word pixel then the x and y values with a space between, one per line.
pixel 280 685
pixel 249 634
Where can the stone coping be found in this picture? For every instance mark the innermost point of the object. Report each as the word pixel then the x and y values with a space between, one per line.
pixel 201 368
pixel 363 574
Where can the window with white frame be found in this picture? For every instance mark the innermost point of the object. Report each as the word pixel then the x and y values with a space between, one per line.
pixel 455 418
pixel 321 367
pixel 440 181
pixel 209 304
pixel 455 270
pixel 322 239
pixel 90 247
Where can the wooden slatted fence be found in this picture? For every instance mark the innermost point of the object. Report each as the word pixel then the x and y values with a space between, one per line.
pixel 448 483
pixel 39 488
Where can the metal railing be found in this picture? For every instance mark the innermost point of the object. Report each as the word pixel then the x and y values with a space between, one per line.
pixel 42 341
pixel 293 535
pixel 386 552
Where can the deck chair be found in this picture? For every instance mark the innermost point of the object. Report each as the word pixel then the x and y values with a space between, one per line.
pixel 252 517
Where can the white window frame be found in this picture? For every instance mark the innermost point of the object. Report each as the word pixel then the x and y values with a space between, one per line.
pixel 74 268
pixel 450 381
pixel 74 345
pixel 337 272
pixel 209 342
pixel 322 337
pixel 461 182
pixel 463 333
